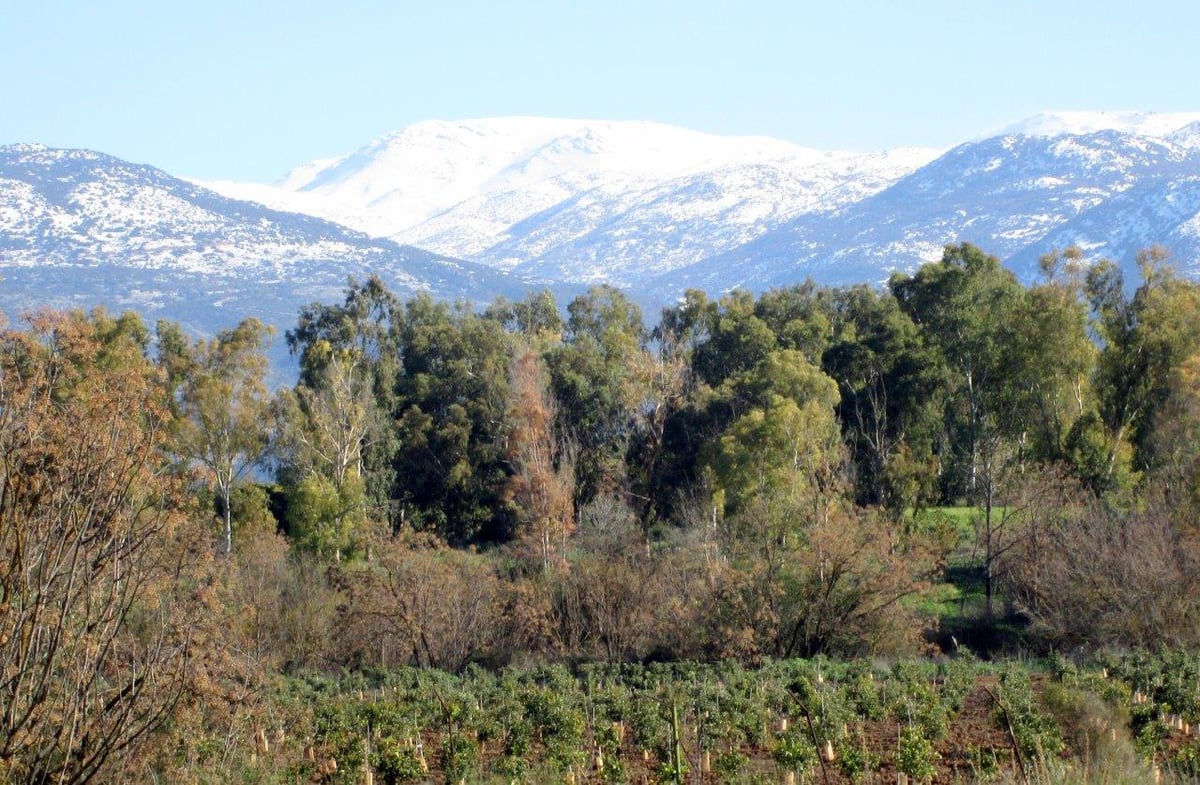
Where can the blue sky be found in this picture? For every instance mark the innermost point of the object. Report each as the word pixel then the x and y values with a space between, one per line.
pixel 247 89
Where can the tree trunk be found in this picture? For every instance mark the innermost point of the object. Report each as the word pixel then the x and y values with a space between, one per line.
pixel 227 504
pixel 989 556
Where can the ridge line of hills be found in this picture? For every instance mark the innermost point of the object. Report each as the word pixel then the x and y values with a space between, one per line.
pixel 479 208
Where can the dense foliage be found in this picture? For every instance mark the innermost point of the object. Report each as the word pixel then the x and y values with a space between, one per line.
pixel 957 460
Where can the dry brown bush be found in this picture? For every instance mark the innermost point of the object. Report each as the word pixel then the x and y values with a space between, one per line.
pixel 842 585
pixel 1092 576
pixel 94 627
pixel 418 602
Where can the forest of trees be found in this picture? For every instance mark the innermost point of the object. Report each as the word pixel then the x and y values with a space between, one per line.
pixel 751 477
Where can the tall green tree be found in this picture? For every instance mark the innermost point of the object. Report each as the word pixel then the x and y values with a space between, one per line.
pixel 363 329
pixel 787 445
pixel 599 376
pixel 800 316
pixel 807 572
pixel 705 347
pixel 1172 450
pixel 364 322
pixel 224 423
pixel 737 340
pixel 534 315
pixel 963 305
pixel 681 420
pixel 891 384
pixel 325 433
pixel 1145 338
pixel 452 398
pixel 1053 359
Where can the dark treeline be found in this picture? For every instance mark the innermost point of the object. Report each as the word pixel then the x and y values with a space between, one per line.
pixel 746 478
pixel 751 477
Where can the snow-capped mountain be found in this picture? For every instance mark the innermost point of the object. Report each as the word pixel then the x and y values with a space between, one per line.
pixel 1017 196
pixel 530 202
pixel 578 200
pixel 79 228
pixel 657 208
pixel 1152 124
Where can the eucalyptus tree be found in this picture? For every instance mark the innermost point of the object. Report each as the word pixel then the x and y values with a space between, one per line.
pixel 963 306
pixel 224 423
pixel 325 433
pixel 452 398
pixel 1054 359
pixel 362 330
pixel 891 382
pixel 1144 338
pixel 806 571
pixel 599 376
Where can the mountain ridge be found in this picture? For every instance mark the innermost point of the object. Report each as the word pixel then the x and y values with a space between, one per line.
pixel 744 210
pixel 80 229
pixel 528 203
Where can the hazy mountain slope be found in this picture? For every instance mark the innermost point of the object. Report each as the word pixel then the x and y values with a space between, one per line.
pixel 657 208
pixel 1008 194
pixel 82 228
pixel 579 200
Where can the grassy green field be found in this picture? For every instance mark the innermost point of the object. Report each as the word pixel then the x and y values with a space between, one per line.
pixel 958 604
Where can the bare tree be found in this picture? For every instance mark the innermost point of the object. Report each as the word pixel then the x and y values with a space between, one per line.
pixel 1089 575
pixel 93 651
pixel 419 602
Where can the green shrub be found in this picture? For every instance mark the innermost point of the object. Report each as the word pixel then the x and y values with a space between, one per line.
pixel 396 763
pixel 730 766
pixel 794 752
pixel 856 761
pixel 915 755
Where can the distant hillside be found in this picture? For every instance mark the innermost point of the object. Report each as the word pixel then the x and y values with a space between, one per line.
pixel 79 228
pixel 657 208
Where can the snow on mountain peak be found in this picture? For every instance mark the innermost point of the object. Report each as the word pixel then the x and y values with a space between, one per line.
pixel 23 148
pixel 411 175
pixel 511 190
pixel 406 178
pixel 1188 136
pixel 588 200
pixel 1153 124
pixel 643 205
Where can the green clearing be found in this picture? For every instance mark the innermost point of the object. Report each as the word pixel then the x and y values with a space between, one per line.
pixel 958 603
